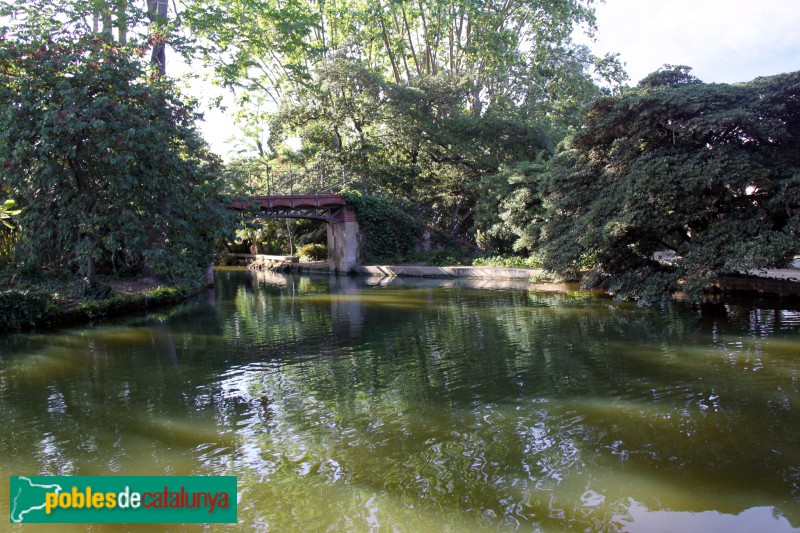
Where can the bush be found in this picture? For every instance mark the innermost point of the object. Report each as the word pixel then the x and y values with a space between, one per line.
pixel 707 171
pixel 391 235
pixel 25 309
pixel 443 257
pixel 94 291
pixel 105 162
pixel 228 260
pixel 312 252
pixel 89 310
pixel 511 261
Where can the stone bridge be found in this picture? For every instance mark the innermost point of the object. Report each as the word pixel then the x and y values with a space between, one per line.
pixel 327 207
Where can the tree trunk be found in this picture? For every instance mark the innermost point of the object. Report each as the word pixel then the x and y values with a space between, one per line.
pixel 395 70
pixel 454 217
pixel 91 269
pixel 157 13
pixel 411 43
pixel 105 17
pixel 477 105
pixel 122 20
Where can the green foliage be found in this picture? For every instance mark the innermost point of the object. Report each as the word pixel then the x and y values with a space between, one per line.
pixel 40 307
pixel 390 234
pixel 711 172
pixel 118 305
pixel 312 252
pixel 47 18
pixel 142 26
pixel 502 51
pixel 228 260
pixel 8 239
pixel 670 76
pixel 419 143
pixel 162 292
pixel 106 165
pixel 23 309
pixel 7 211
pixel 95 291
pixel 275 236
pixel 509 209
pixel 443 257
pixel 423 100
pixel 511 261
pixel 8 246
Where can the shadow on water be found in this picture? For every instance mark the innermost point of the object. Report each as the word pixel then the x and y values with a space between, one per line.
pixel 346 405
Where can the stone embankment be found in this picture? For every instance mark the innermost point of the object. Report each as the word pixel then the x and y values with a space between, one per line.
pixel 782 283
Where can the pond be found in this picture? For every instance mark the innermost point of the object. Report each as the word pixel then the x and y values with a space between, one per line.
pixel 346 404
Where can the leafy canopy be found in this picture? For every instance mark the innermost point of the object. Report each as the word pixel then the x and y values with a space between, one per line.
pixel 422 99
pixel 105 165
pixel 709 171
pixel 505 51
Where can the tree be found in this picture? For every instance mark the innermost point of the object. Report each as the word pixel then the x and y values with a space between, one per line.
pixel 422 99
pixel 93 152
pixel 416 143
pixel 709 171
pixel 122 21
pixel 509 208
pixel 670 76
pixel 501 54
pixel 504 51
pixel 117 20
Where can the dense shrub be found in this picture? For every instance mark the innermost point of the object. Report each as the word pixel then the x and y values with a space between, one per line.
pixel 390 234
pixel 511 261
pixel 25 309
pixel 312 252
pixel 443 257
pixel 28 309
pixel 105 163
pixel 710 172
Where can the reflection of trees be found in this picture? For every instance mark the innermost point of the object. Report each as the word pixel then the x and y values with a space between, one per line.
pixel 425 405
pixel 113 398
pixel 641 386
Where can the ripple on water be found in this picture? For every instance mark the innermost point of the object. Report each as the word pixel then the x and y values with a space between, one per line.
pixel 348 408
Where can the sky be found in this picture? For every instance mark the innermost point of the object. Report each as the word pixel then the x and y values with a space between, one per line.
pixel 724 41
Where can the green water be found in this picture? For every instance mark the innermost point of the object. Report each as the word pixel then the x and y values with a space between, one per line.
pixel 342 405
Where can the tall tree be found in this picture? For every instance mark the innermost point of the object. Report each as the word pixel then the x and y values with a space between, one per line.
pixel 504 50
pixel 121 21
pixel 57 17
pixel 418 143
pixel 709 171
pixel 93 152
pixel 157 12
pixel 424 98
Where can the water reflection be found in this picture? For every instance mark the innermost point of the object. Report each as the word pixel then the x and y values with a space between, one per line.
pixel 344 404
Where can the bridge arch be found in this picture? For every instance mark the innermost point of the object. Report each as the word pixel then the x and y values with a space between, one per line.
pixel 342 227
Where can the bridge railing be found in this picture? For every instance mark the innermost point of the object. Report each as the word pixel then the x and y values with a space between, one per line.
pixel 313 180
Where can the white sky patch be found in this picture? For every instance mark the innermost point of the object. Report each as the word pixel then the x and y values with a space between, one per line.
pixel 218 127
pixel 722 40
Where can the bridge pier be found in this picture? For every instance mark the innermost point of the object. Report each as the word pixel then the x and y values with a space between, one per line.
pixel 343 243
